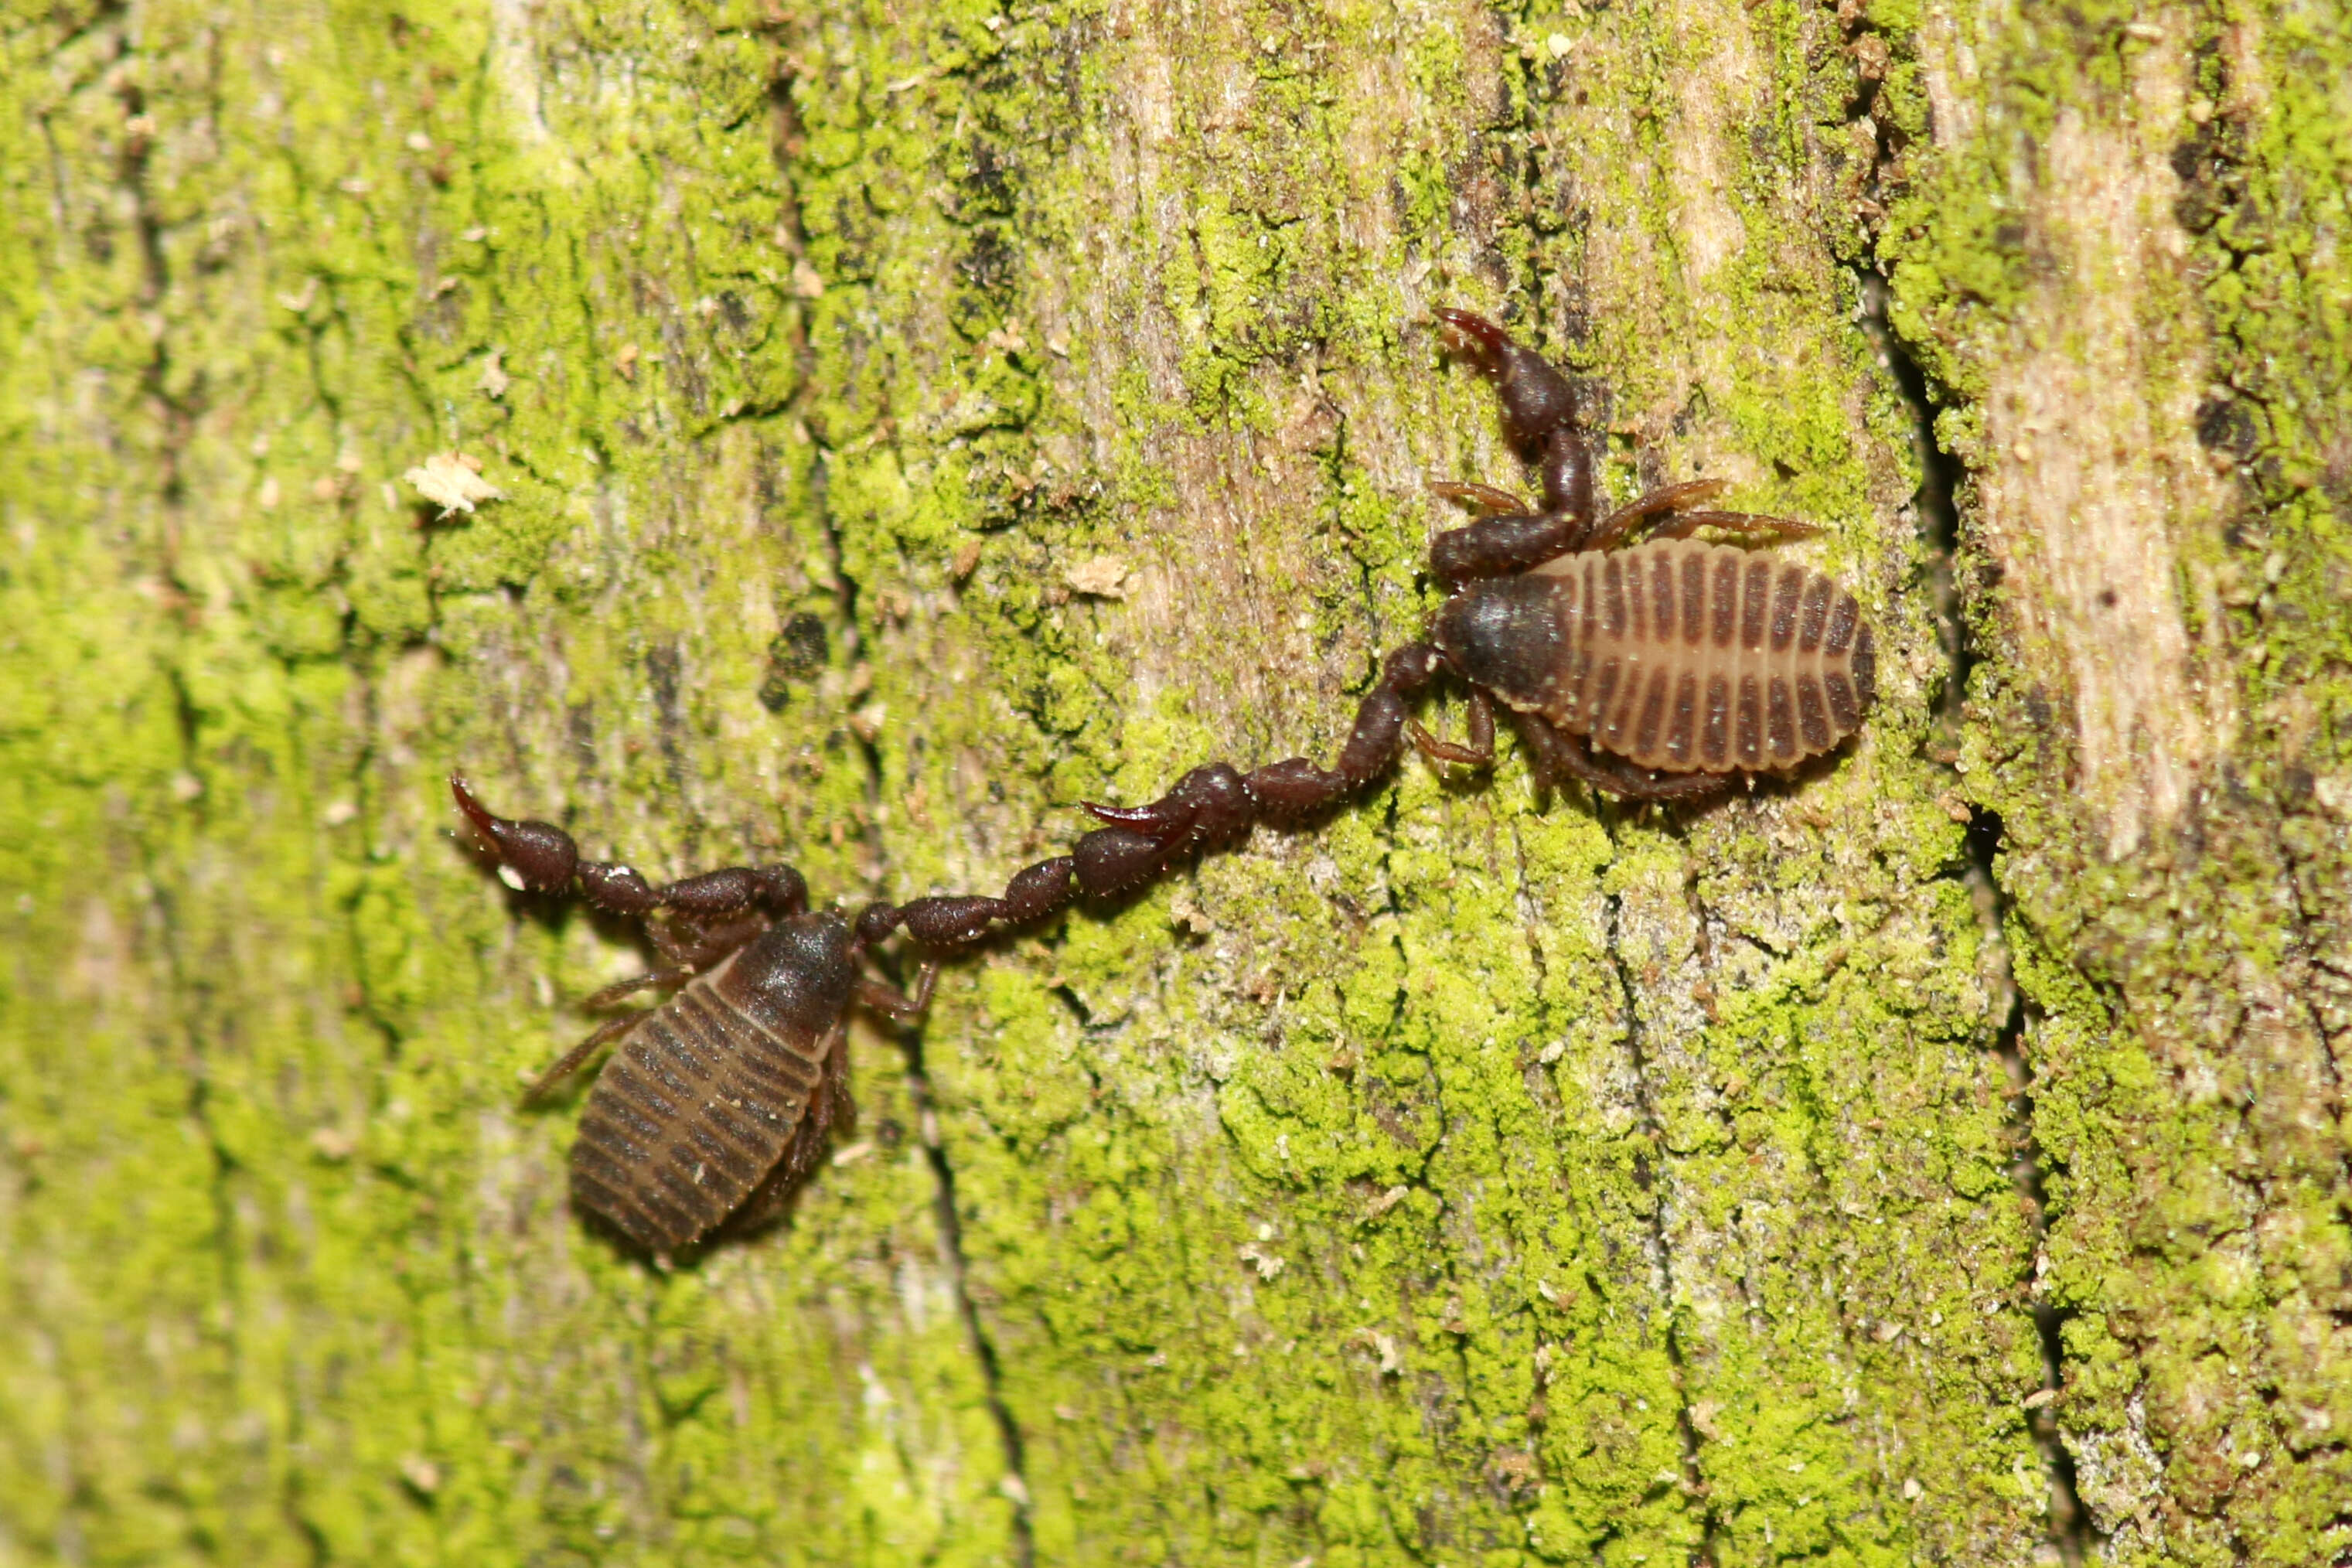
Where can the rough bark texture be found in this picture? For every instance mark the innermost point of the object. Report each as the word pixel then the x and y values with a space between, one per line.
pixel 1940 1159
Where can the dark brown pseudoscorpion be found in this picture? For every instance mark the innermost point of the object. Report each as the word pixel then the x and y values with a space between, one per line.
pixel 701 1104
pixel 1633 658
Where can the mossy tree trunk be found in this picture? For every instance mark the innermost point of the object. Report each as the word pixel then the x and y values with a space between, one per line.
pixel 914 420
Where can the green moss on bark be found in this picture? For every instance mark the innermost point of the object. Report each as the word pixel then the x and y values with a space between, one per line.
pixel 2175 910
pixel 1480 1175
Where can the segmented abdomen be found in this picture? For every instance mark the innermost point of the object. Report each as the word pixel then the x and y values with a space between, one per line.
pixel 692 1113
pixel 1687 657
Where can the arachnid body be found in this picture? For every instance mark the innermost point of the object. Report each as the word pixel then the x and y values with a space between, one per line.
pixel 718 1101
pixel 1678 655
pixel 1662 670
pixel 726 1091
pixel 1666 670
pixel 722 1097
pixel 1687 660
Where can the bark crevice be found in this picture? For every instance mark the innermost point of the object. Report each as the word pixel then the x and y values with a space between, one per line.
pixel 1015 1486
pixel 984 1346
pixel 1649 1173
pixel 786 140
pixel 1942 478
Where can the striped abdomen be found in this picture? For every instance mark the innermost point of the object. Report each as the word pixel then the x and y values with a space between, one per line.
pixel 702 1098
pixel 1680 655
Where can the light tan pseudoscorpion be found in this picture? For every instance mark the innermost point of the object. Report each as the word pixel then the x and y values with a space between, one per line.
pixel 1678 655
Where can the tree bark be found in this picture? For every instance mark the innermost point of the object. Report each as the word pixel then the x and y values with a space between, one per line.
pixel 910 421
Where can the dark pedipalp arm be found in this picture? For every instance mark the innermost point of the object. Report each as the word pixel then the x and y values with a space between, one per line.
pixel 1537 400
pixel 544 858
pixel 1210 808
pixel 1501 547
pixel 1543 422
